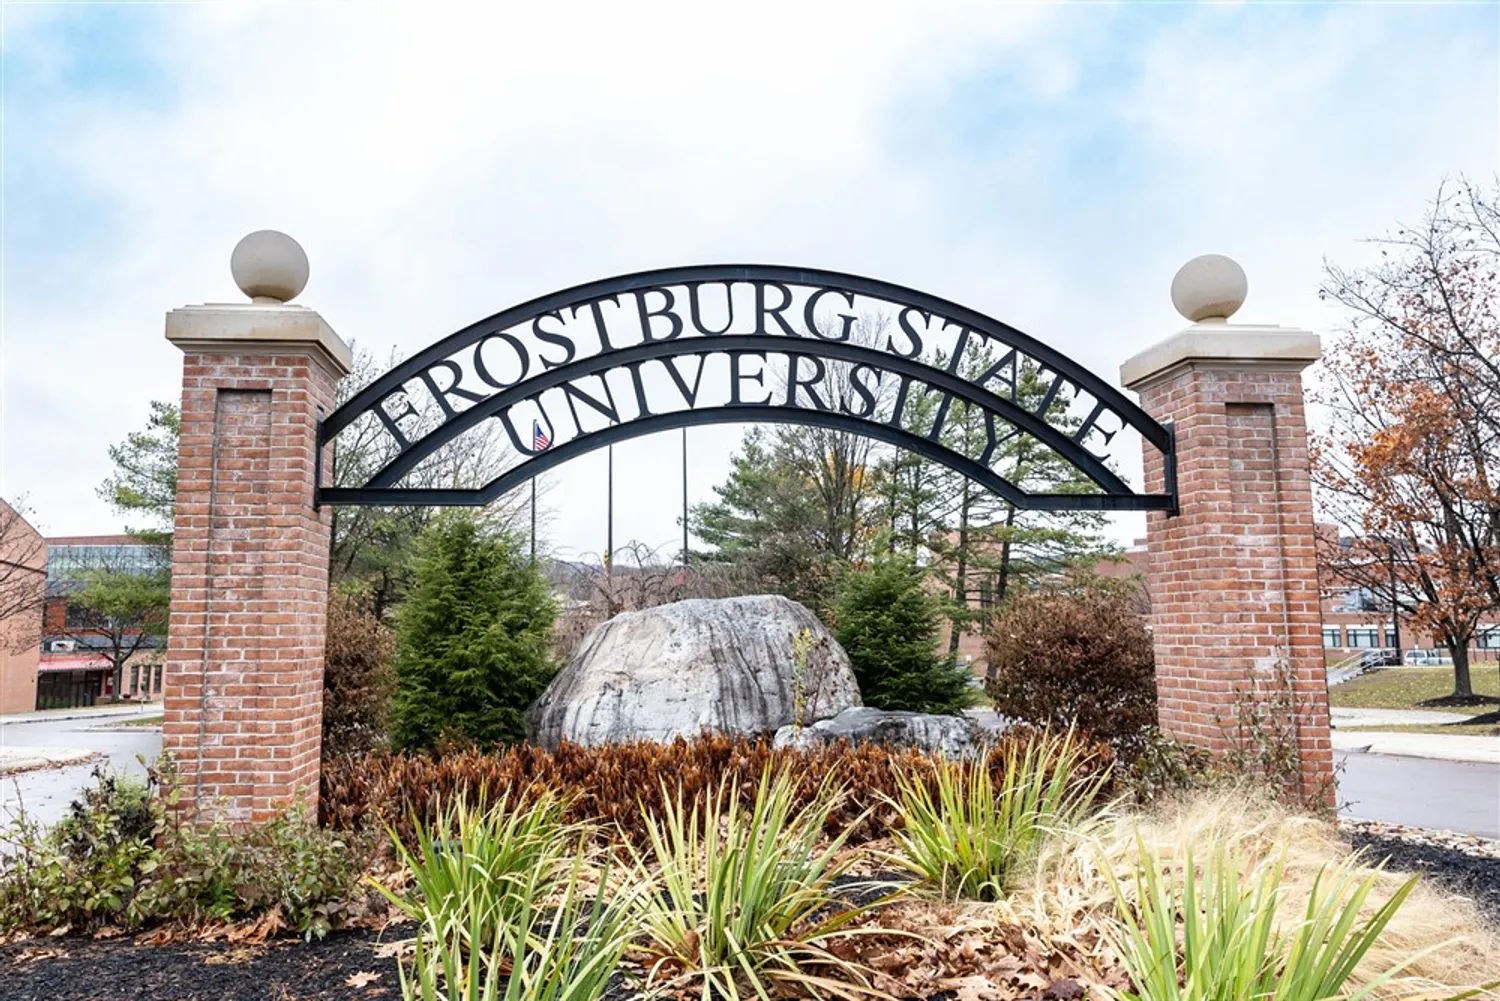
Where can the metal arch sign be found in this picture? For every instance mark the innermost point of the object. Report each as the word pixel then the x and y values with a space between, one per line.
pixel 628 356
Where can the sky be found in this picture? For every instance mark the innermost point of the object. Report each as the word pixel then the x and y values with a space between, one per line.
pixel 1050 165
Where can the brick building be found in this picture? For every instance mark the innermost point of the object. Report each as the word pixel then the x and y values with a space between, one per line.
pixel 24 554
pixel 74 669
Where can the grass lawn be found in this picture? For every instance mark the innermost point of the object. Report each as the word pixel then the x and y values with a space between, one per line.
pixel 1452 730
pixel 148 721
pixel 1404 687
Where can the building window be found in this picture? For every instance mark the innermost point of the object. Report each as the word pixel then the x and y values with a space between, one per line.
pixel 1364 639
pixel 1361 599
pixel 1331 637
pixel 1390 637
pixel 1489 638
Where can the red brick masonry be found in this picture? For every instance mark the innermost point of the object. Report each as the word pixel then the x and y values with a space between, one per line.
pixel 244 676
pixel 1233 576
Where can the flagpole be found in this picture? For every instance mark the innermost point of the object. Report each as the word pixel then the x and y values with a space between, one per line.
pixel 609 542
pixel 684 499
pixel 533 519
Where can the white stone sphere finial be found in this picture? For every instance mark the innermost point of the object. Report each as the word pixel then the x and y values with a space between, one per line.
pixel 1209 288
pixel 269 266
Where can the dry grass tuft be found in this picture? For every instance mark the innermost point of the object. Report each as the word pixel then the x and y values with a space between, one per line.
pixel 1070 883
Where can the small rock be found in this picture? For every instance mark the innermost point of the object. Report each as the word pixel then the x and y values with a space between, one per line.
pixel 953 736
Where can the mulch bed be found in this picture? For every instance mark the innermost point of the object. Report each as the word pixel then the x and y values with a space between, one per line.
pixel 1466 866
pixel 78 969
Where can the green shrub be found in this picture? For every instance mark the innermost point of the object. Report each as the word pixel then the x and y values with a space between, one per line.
pixel 968 837
pixel 472 639
pixel 85 872
pixel 1075 654
pixel 358 676
pixel 114 860
pixel 286 865
pixel 888 623
pixel 741 902
pixel 1216 936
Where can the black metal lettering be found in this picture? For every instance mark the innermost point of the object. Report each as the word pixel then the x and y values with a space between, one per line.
pixel 762 310
pixel 998 371
pixel 557 337
pixel 793 382
pixel 696 315
pixel 903 321
pixel 1050 396
pixel 609 409
pixel 1091 423
pixel 690 395
pixel 648 314
pixel 992 440
pixel 866 393
pixel 958 349
pixel 809 314
pixel 482 370
pixel 518 442
pixel 735 376
pixel 899 407
pixel 640 388
pixel 600 327
pixel 456 370
pixel 390 420
pixel 936 431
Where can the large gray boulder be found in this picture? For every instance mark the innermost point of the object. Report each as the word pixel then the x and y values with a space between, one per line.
pixel 953 736
pixel 725 665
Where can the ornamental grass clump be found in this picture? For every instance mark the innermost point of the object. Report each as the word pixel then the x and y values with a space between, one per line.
pixel 561 942
pixel 969 833
pixel 740 902
pixel 1217 936
pixel 476 870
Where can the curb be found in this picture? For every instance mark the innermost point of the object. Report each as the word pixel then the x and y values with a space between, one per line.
pixel 63 716
pixel 44 763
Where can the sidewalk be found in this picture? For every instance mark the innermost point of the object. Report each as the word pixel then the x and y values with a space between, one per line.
pixel 1344 716
pixel 1480 750
pixel 88 712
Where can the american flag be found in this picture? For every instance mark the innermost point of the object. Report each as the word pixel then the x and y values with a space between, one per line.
pixel 539 440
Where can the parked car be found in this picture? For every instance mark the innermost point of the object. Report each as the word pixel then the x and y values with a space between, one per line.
pixel 1426 658
pixel 1380 658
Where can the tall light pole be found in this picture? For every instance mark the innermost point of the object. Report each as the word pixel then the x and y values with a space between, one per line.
pixel 684 499
pixel 1390 551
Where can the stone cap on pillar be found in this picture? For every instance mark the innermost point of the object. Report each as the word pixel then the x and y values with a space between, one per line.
pixel 1208 290
pixel 271 268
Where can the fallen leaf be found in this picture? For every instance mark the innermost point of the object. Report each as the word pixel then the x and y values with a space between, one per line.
pixel 362 979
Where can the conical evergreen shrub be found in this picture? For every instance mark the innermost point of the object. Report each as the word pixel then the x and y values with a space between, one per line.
pixel 472 639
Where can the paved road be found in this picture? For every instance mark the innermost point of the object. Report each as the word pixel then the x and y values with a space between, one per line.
pixel 46 794
pixel 1446 795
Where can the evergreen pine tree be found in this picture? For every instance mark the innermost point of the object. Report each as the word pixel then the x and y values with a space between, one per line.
pixel 888 623
pixel 472 639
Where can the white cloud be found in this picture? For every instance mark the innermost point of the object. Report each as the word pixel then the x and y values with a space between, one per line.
pixel 442 161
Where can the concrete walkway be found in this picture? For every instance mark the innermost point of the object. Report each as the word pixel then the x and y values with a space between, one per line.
pixel 1349 716
pixel 85 712
pixel 1435 746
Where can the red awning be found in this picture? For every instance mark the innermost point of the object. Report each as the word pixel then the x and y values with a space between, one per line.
pixel 73 662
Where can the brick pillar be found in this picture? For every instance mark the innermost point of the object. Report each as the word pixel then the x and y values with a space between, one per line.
pixel 243 688
pixel 1233 574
